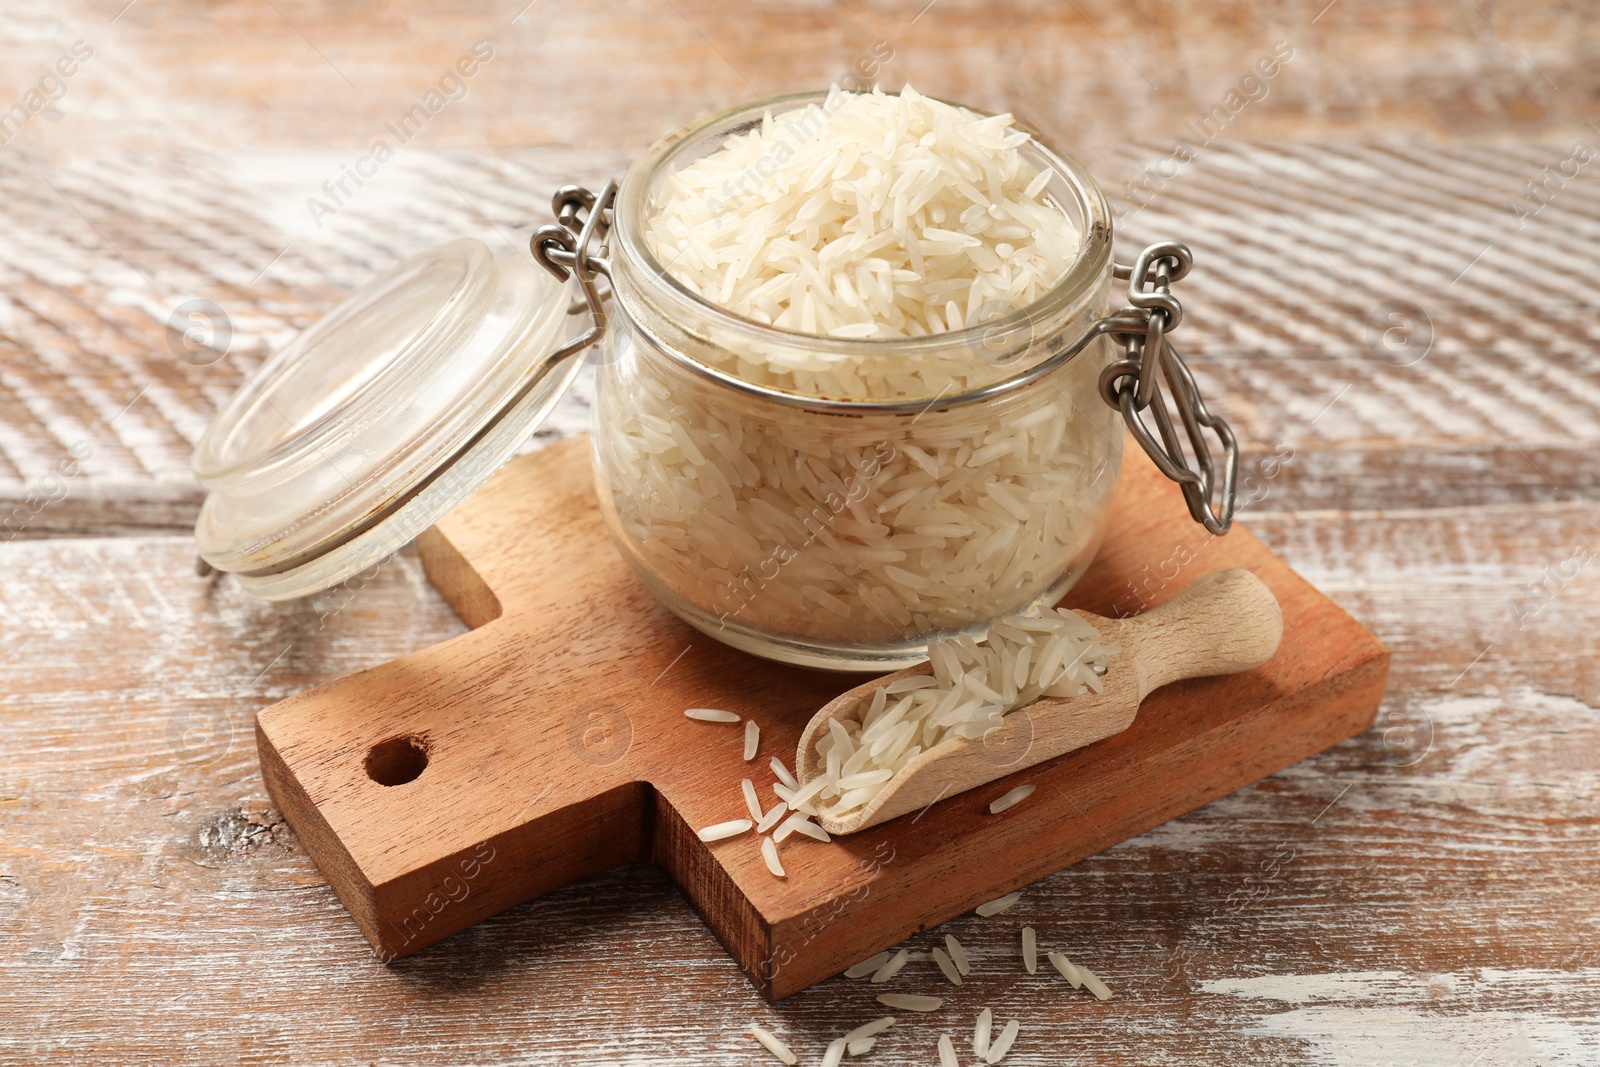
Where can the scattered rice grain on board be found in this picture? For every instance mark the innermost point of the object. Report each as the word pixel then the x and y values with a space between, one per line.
pixel 770 819
pixel 998 905
pixel 751 801
pixel 1011 799
pixel 835 1054
pixel 769 852
pixel 1030 950
pixel 947 1052
pixel 892 967
pixel 981 1032
pixel 783 774
pixel 711 715
pixel 861 1047
pixel 721 830
pixel 752 739
pixel 774 1045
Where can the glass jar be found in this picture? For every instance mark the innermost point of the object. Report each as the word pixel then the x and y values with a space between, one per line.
pixel 751 487
pixel 848 533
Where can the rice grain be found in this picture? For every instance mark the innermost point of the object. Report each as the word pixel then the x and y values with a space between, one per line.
pixel 711 715
pixel 892 967
pixel 722 830
pixel 947 966
pixel 1002 1044
pixel 774 1045
pixel 910 1002
pixel 998 905
pixel 958 955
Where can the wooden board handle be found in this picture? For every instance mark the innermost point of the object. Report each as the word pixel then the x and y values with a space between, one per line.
pixel 1226 622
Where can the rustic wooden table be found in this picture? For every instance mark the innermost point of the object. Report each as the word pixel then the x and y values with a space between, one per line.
pixel 1404 341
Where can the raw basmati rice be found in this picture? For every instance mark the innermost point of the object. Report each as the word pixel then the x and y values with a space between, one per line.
pixel 947 965
pixel 769 852
pixel 783 773
pixel 711 715
pixel 867 966
pixel 770 819
pixel 975 685
pixel 892 967
pixel 910 1001
pixel 862 530
pixel 947 1052
pixel 774 1046
pixel 887 192
pixel 958 955
pixel 835 1054
pixel 872 1029
pixel 752 739
pixel 1093 984
pixel 751 801
pixel 799 823
pixel 981 1032
pixel 861 1047
pixel 1030 950
pixel 1065 967
pixel 998 905
pixel 1002 1044
pixel 1011 799
pixel 721 830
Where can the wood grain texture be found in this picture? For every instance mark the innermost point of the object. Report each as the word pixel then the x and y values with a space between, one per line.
pixel 553 738
pixel 1422 893
pixel 1425 885
pixel 1497 356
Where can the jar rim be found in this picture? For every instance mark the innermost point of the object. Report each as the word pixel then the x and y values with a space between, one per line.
pixel 1091 264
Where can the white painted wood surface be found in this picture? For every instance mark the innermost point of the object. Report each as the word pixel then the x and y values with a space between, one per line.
pixel 1421 894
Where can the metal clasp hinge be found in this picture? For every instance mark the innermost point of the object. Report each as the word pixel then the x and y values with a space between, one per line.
pixel 1132 385
pixel 576 245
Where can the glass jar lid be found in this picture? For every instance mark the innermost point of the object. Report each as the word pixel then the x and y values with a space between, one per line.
pixel 379 418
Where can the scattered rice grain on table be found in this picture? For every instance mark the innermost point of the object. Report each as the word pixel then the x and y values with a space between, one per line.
pixel 947 965
pixel 892 967
pixel 774 1045
pixel 910 1001
pixel 1002 1044
pixel 982 1031
pixel 958 954
pixel 998 905
pixel 867 966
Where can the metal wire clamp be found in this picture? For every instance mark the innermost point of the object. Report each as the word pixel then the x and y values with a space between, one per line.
pixel 1132 385
pixel 576 245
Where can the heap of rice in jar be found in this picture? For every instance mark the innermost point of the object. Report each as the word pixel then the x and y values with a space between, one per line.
pixel 820 433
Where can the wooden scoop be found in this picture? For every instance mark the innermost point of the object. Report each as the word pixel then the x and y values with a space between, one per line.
pixel 1225 622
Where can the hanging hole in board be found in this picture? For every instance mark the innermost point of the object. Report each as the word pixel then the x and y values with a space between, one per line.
pixel 398 760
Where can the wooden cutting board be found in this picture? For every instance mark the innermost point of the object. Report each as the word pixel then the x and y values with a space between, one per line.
pixel 549 742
